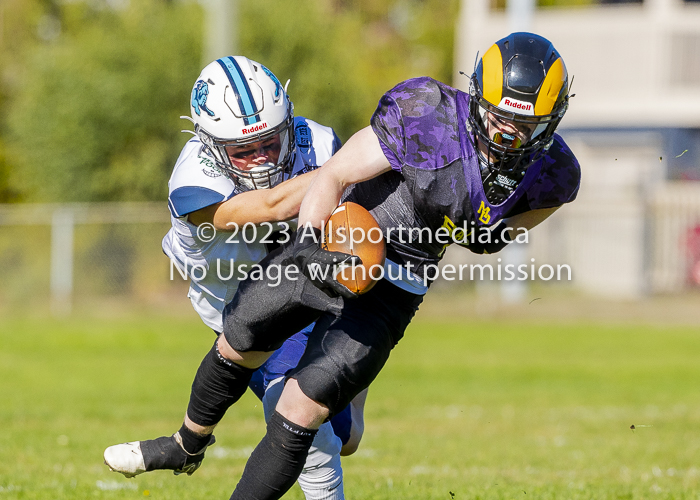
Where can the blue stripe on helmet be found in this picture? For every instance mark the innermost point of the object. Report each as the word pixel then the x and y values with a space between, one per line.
pixel 240 86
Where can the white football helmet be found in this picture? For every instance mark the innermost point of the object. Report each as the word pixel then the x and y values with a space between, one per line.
pixel 237 102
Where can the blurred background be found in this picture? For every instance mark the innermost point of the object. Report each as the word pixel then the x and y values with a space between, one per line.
pixel 91 93
pixel 90 98
pixel 583 388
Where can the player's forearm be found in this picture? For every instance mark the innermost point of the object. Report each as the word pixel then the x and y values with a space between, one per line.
pixel 263 205
pixel 359 160
pixel 527 220
pixel 285 199
pixel 321 199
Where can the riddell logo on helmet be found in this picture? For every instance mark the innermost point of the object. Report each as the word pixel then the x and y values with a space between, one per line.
pixel 522 107
pixel 256 128
pixel 518 105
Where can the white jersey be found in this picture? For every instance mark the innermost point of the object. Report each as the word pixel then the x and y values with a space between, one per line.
pixel 215 262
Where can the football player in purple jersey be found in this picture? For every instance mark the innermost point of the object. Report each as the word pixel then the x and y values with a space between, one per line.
pixel 481 166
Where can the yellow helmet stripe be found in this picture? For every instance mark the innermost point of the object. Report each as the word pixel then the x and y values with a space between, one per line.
pixel 492 75
pixel 553 82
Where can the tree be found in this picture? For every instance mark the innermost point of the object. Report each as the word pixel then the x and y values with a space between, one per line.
pixel 18 22
pixel 96 114
pixel 94 106
pixel 341 56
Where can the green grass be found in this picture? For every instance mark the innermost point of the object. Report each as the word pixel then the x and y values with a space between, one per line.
pixel 464 409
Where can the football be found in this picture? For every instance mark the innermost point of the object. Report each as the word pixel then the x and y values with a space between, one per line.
pixel 352 229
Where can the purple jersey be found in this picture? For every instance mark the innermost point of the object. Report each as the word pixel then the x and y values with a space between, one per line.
pixel 435 180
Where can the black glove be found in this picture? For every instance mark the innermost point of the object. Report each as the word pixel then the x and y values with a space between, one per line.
pixel 319 265
pixel 498 239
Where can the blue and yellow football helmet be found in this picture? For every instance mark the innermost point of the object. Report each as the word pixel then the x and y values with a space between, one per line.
pixel 518 96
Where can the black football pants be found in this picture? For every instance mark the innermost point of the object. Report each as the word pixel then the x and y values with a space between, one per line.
pixel 350 343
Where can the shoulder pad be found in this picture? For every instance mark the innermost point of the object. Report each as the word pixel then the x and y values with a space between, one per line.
pixel 315 144
pixel 196 181
pixel 559 179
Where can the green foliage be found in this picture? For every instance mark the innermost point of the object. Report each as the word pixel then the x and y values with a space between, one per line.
pixel 341 56
pixel 7 193
pixel 18 20
pixel 96 114
pixel 93 113
pixel 501 4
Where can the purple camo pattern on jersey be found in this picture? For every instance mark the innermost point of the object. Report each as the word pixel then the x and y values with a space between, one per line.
pixel 559 179
pixel 418 124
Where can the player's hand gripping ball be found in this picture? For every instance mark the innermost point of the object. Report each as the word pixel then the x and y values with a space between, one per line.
pixel 351 229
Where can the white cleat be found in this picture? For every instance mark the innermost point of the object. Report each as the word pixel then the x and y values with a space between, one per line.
pixel 125 458
pixel 163 453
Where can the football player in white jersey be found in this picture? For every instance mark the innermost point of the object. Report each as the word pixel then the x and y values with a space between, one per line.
pixel 232 193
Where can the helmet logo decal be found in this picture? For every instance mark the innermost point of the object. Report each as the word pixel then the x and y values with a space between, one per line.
pixel 278 85
pixel 506 181
pixel 255 128
pixel 520 107
pixel 302 134
pixel 199 98
pixel 239 84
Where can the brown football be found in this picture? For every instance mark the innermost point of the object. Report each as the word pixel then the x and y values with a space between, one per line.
pixel 352 229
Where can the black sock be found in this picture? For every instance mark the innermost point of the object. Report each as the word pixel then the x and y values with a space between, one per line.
pixel 277 462
pixel 217 385
pixel 193 442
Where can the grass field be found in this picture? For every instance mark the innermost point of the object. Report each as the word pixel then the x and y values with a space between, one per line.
pixel 465 409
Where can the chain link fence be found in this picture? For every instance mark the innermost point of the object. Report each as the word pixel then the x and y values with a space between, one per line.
pixel 63 257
